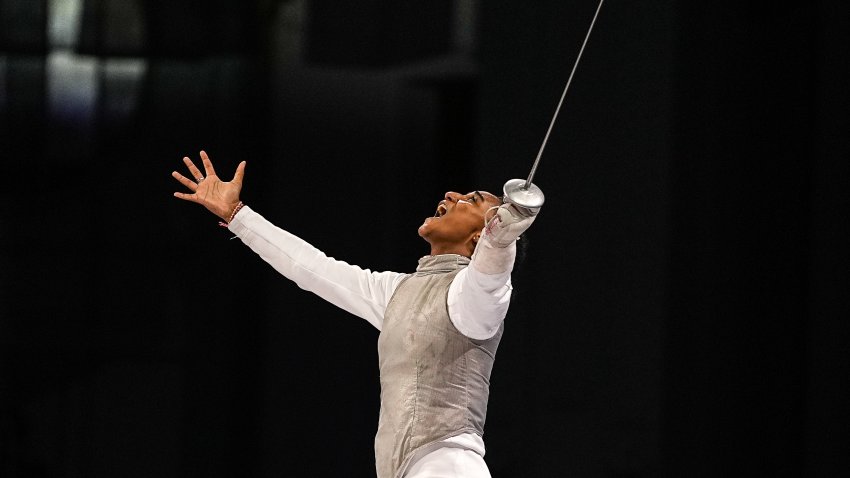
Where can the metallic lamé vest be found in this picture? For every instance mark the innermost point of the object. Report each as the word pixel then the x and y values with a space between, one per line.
pixel 435 381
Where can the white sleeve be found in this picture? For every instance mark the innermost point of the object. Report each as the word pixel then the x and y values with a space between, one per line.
pixel 479 295
pixel 360 291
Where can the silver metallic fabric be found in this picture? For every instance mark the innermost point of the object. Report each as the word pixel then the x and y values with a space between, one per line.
pixel 435 381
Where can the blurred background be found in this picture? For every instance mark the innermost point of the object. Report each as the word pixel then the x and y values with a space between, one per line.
pixel 681 309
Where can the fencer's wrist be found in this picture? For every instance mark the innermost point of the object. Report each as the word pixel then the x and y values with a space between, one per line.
pixel 491 259
pixel 497 241
pixel 236 208
pixel 229 213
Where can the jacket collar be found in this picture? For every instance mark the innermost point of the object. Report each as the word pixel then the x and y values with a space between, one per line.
pixel 441 263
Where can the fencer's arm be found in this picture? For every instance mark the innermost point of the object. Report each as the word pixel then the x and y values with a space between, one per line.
pixel 359 291
pixel 479 295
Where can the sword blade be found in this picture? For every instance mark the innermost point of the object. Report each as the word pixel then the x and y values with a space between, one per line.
pixel 561 102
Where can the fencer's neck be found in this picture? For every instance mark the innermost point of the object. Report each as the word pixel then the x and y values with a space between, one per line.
pixel 459 249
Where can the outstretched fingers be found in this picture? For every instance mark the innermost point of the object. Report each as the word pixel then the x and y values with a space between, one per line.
pixel 196 173
pixel 240 173
pixel 192 185
pixel 187 197
pixel 208 167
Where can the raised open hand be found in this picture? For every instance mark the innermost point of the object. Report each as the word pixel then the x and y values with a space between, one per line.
pixel 218 196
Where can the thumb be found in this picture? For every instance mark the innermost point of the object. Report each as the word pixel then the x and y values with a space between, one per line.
pixel 240 173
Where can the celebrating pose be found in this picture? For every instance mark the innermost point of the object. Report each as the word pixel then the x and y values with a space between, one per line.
pixel 439 326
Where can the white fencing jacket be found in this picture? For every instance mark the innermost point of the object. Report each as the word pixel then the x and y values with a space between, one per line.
pixel 477 301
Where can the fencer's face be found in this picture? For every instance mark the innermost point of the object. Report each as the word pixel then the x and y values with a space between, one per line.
pixel 459 218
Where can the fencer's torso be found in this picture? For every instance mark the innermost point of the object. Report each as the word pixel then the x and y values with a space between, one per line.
pixel 435 381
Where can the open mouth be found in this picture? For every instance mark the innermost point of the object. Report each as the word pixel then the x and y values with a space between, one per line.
pixel 441 209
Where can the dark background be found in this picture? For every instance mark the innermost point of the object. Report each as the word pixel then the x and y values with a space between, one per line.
pixel 681 310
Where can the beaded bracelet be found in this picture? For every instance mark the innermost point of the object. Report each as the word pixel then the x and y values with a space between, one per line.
pixel 232 215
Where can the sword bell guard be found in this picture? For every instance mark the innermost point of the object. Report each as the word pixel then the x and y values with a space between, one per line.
pixel 516 192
